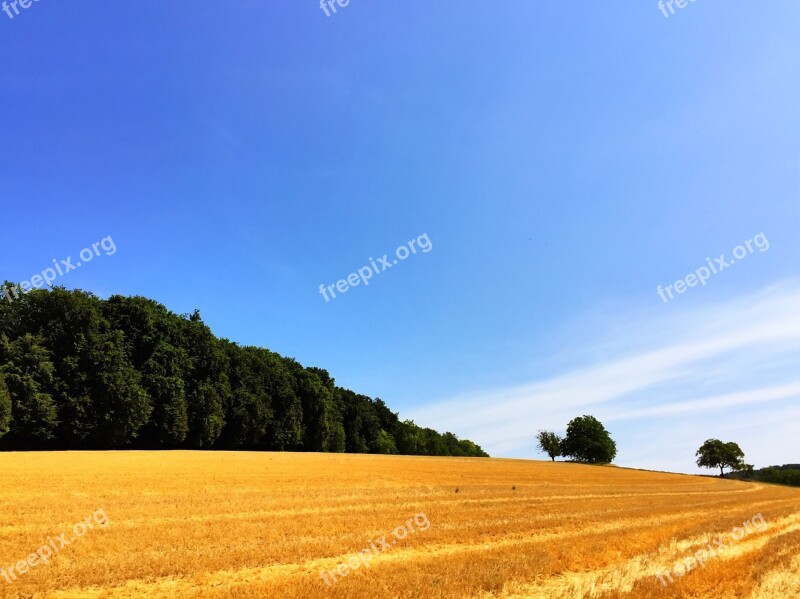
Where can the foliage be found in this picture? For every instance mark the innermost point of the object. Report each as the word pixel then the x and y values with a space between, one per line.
pixel 587 440
pixel 5 406
pixel 716 454
pixel 550 443
pixel 384 443
pixel 788 474
pixel 78 372
pixel 28 374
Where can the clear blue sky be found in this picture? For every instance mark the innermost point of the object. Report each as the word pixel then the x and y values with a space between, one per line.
pixel 564 160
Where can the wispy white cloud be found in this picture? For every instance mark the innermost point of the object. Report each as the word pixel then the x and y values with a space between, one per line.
pixel 738 354
pixel 728 400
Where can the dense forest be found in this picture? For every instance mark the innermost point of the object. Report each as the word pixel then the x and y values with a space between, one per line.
pixel 79 372
pixel 788 474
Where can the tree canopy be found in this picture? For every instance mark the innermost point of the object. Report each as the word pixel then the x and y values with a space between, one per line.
pixel 716 454
pixel 550 443
pixel 787 474
pixel 79 372
pixel 587 440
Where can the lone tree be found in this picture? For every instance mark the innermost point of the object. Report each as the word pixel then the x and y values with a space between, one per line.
pixel 716 454
pixel 549 443
pixel 588 441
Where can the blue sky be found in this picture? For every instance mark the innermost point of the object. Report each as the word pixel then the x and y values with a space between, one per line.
pixel 564 160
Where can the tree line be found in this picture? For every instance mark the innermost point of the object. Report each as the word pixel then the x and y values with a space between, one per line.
pixel 787 474
pixel 80 372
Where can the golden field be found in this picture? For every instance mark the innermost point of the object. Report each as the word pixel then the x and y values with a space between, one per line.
pixel 192 524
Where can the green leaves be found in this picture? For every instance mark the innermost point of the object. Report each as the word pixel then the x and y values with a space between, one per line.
pixel 587 440
pixel 550 443
pixel 716 454
pixel 5 407
pixel 80 372
pixel 28 375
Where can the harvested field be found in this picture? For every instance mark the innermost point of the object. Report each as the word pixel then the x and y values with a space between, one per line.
pixel 225 524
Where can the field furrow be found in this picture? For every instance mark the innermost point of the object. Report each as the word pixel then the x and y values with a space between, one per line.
pixel 213 525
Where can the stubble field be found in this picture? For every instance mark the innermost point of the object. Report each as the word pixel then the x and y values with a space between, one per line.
pixel 192 524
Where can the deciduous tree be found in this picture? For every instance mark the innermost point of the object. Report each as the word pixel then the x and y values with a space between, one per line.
pixel 716 454
pixel 550 443
pixel 587 440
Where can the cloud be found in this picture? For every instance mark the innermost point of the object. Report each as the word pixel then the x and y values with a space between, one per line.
pixel 736 354
pixel 728 400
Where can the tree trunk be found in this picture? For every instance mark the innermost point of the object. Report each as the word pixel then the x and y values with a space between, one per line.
pixel 721 472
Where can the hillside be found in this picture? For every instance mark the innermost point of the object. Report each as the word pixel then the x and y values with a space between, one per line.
pixel 247 524
pixel 78 372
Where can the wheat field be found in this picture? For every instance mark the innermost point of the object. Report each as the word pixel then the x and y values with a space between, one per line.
pixel 227 524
